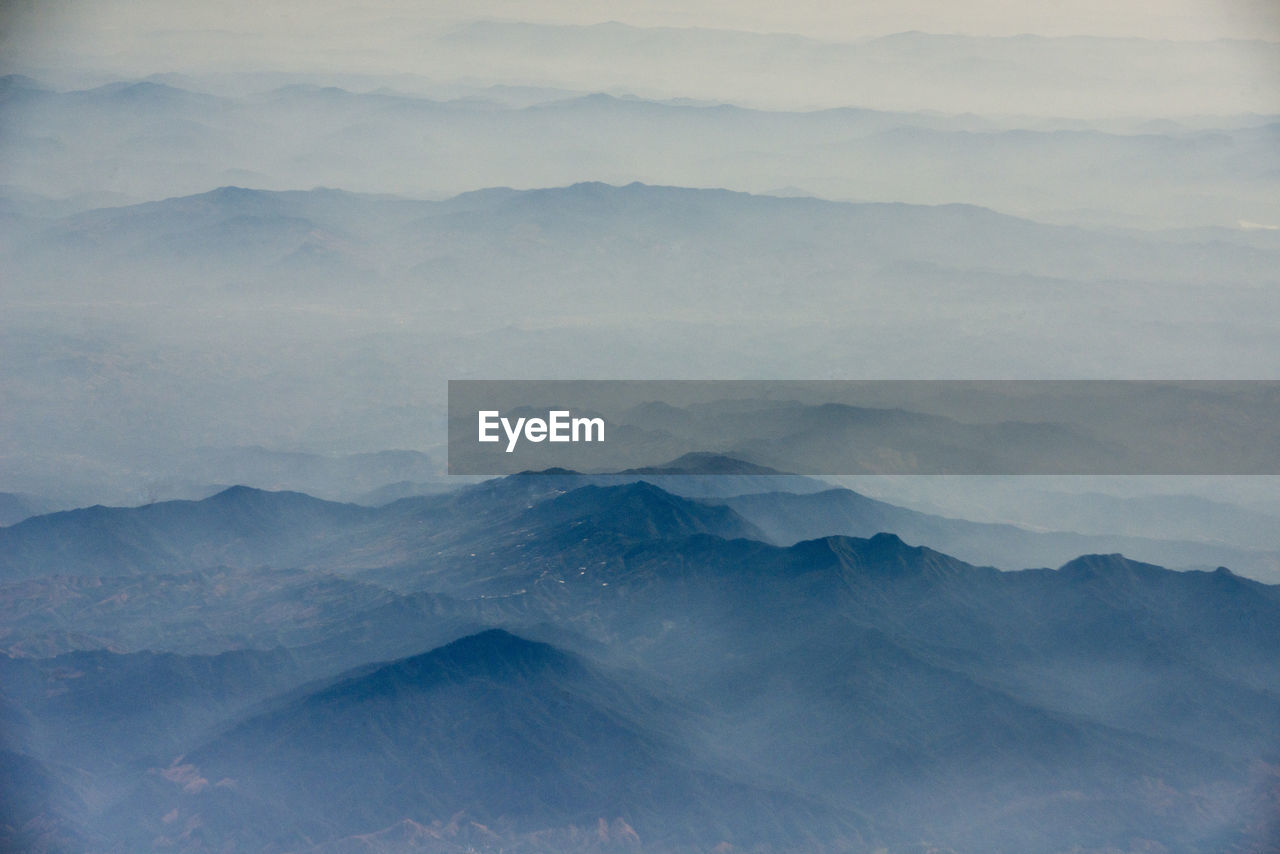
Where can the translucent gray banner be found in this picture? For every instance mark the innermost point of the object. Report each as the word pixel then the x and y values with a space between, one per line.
pixel 865 427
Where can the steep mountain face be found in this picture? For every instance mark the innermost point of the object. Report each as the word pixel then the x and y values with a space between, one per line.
pixel 661 669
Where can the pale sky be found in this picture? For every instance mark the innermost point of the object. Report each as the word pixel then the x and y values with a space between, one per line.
pixel 143 36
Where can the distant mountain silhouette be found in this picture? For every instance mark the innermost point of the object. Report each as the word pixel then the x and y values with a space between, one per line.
pixel 247 528
pixel 704 463
pixel 238 525
pixel 787 518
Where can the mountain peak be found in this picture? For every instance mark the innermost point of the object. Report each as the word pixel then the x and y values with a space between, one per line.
pixel 230 192
pixel 640 510
pixel 141 89
pixel 1117 572
pixel 1103 566
pixel 238 492
pixel 701 462
pixel 240 495
pixel 885 555
pixel 490 643
pixel 493 655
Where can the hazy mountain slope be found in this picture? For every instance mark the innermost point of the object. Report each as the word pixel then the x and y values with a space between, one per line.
pixel 643 511
pixel 911 655
pixel 247 528
pixel 328 623
pixel 494 538
pixel 1158 516
pixel 931 691
pixel 246 235
pixel 237 526
pixel 333 477
pixel 990 75
pixel 940 607
pixel 112 713
pixel 1108 170
pixel 15 507
pixel 644 273
pixel 788 518
pixel 506 730
pixel 40 810
pixel 1233 512
pixel 202 611
pixel 960 705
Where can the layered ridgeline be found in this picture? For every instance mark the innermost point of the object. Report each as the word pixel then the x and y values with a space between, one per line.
pixel 322 240
pixel 1186 168
pixel 555 663
pixel 200 292
pixel 242 528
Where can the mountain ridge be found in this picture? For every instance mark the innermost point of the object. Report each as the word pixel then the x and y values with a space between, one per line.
pixel 610 648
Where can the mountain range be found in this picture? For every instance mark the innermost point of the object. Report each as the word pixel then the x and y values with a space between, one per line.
pixel 641 272
pixel 551 662
pixel 249 529
pixel 244 608
pixel 1122 169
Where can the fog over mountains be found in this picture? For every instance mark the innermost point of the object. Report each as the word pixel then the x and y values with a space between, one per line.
pixel 243 608
pixel 354 308
pixel 168 137
pixel 684 690
pixel 982 75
